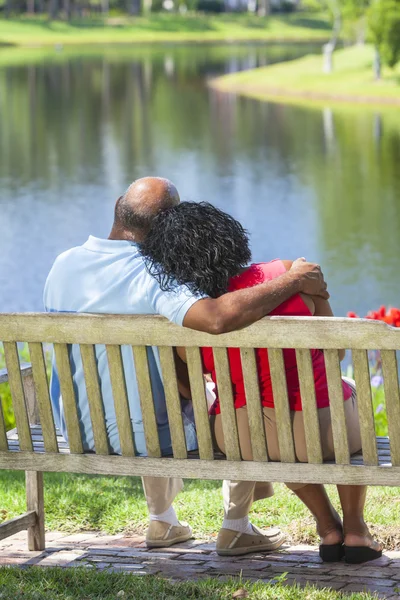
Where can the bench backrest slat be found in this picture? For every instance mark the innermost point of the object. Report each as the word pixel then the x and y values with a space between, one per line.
pixel 42 396
pixel 228 412
pixel 68 397
pixel 392 399
pixel 173 402
pixel 254 408
pixel 146 401
pixel 121 404
pixel 199 400
pixel 281 402
pixel 18 395
pixel 365 408
pixel 93 392
pixel 310 411
pixel 336 399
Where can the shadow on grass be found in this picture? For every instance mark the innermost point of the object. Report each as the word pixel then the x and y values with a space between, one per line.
pixel 87 502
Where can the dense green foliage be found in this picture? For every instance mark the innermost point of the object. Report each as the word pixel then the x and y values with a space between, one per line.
pixel 384 25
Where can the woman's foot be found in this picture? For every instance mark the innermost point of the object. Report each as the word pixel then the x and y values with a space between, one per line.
pixel 360 546
pixel 330 530
pixel 356 533
pixel 331 548
pixel 357 539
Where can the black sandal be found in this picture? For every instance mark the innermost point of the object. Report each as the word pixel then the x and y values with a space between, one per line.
pixel 332 552
pixel 356 555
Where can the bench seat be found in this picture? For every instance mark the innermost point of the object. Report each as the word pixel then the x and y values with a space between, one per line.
pixel 383 445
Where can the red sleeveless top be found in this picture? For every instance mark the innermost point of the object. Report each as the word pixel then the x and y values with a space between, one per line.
pixel 255 274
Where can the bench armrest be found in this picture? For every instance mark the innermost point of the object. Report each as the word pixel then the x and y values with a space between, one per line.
pixel 26 369
pixel 29 390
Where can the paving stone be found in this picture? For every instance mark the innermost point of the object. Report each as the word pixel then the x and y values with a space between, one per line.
pixel 162 554
pixel 382 591
pixel 78 538
pixel 369 580
pixel 127 568
pixel 255 565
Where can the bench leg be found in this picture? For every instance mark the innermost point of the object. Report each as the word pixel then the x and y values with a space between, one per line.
pixel 35 501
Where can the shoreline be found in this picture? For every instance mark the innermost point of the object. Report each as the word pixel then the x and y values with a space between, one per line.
pixel 160 28
pixel 301 82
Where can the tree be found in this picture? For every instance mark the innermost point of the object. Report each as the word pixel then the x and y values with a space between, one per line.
pixel 329 48
pixel 384 25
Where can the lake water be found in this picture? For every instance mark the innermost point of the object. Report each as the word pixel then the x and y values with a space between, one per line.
pixel 76 128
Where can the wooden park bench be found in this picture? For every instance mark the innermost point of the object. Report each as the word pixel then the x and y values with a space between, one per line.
pixel 38 448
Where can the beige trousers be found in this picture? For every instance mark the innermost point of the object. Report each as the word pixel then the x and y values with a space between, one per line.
pixel 160 493
pixel 248 492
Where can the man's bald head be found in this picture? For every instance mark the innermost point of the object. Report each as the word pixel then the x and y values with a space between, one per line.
pixel 142 201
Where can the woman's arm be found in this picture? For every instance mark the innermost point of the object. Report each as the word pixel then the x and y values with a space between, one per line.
pixel 182 373
pixel 319 307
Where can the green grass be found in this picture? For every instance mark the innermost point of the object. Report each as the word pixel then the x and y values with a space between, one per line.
pixel 164 28
pixel 83 584
pixel 302 80
pixel 116 504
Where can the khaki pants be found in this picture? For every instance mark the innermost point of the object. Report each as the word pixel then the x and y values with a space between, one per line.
pixel 242 494
pixel 238 496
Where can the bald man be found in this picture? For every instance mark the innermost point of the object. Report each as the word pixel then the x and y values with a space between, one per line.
pixel 109 276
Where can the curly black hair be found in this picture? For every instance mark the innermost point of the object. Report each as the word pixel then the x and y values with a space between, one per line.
pixel 198 245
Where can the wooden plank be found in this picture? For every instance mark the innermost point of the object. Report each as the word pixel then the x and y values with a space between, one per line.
pixel 35 502
pixel 95 400
pixel 199 400
pixel 282 408
pixel 18 396
pixel 3 433
pixel 201 469
pixel 228 412
pixel 141 330
pixel 68 398
pixel 336 399
pixel 173 401
pixel 254 407
pixel 120 395
pixel 365 407
pixel 20 523
pixel 25 369
pixel 43 396
pixel 309 404
pixel 392 399
pixel 146 401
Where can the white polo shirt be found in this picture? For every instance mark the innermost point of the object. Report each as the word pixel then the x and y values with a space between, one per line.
pixel 109 276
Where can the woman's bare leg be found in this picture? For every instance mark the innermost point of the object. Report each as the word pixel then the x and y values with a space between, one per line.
pixel 329 526
pixel 356 533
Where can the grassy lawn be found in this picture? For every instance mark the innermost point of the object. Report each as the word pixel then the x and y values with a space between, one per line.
pixel 83 584
pixel 302 80
pixel 164 28
pixel 116 504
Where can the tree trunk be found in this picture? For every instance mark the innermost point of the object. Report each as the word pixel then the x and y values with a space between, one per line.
pixel 264 8
pixel 377 65
pixel 67 9
pixel 105 7
pixel 53 9
pixel 7 7
pixel 134 7
pixel 30 7
pixel 329 48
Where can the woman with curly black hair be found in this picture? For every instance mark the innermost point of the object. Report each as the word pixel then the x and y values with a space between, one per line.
pixel 208 250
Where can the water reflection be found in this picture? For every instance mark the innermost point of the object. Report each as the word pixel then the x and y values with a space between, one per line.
pixel 78 127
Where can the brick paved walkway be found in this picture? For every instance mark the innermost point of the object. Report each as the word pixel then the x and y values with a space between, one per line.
pixel 197 559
